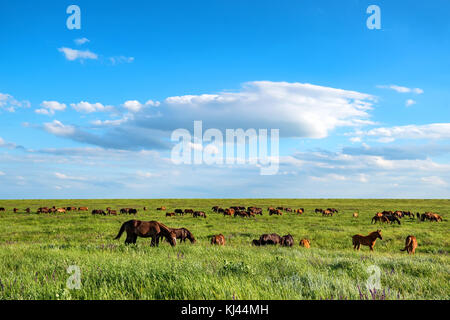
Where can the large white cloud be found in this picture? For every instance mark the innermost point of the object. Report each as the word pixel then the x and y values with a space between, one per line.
pixel 297 109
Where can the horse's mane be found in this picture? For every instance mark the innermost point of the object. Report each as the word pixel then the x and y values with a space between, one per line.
pixel 373 233
pixel 165 228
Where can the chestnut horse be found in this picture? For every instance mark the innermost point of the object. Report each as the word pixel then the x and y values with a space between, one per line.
pixel 369 240
pixel 218 239
pixel 146 229
pixel 410 244
pixel 305 243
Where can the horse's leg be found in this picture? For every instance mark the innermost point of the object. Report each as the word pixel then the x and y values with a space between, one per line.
pixel 153 242
pixel 134 238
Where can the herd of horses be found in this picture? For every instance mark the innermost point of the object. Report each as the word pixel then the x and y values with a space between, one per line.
pixel 395 216
pixel 157 230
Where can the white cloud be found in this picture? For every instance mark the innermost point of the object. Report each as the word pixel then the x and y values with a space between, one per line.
pixel 401 89
pixel 297 109
pixel 87 107
pixel 73 54
pixel 144 174
pixel 121 59
pixel 2 173
pixel 58 128
pixel 63 176
pixel 434 180
pixel 133 105
pixel 389 134
pixel 410 102
pixel 49 107
pixel 136 106
pixel 81 41
pixel 10 104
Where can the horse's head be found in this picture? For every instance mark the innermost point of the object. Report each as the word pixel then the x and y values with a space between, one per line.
pixel 172 239
pixel 192 238
pixel 379 234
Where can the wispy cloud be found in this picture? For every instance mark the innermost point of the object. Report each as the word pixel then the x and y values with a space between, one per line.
pixel 73 54
pixel 401 89
pixel 389 134
pixel 121 59
pixel 10 104
pixel 81 41
pixel 410 102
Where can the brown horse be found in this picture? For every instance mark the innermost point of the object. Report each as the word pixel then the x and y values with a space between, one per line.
pixel 182 234
pixel 218 239
pixel 410 244
pixel 287 241
pixel 368 240
pixel 146 229
pixel 305 243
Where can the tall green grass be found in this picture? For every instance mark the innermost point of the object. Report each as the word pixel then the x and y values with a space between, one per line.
pixel 36 250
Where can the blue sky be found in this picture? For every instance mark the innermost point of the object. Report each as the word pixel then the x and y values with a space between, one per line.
pixel 93 118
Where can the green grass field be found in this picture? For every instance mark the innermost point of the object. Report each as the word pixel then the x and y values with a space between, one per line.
pixel 37 249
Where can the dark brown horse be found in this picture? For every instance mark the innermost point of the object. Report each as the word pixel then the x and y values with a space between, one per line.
pixel 269 239
pixel 146 229
pixel 287 241
pixel 182 234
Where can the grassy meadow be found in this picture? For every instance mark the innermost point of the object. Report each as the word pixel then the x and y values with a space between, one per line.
pixel 37 249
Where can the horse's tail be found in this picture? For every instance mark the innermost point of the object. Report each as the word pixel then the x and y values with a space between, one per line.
pixel 408 242
pixel 122 229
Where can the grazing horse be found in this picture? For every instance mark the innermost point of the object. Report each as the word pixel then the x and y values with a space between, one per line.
pixel 83 209
pixel 410 244
pixel 355 214
pixel 170 214
pixel 318 210
pixel 368 240
pixel 228 212
pixel 393 219
pixel 182 234
pixel 179 211
pixel 218 239
pixel 2 209
pixel 15 210
pixel 305 243
pixel 199 214
pixel 269 239
pixel 300 211
pixel 161 208
pixel 287 241
pixel 112 212
pixel 327 213
pixel 276 211
pixel 146 229
pixel 379 218
pixel 256 242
